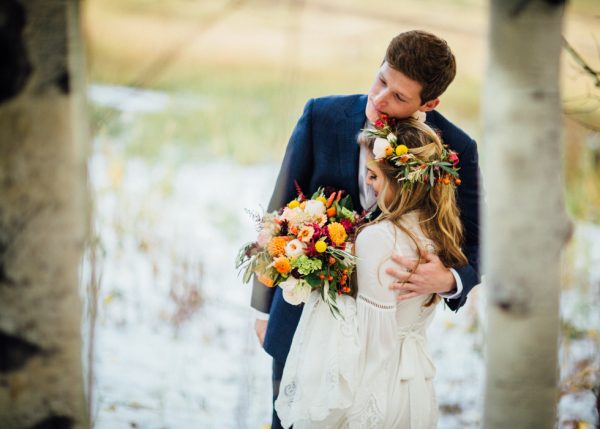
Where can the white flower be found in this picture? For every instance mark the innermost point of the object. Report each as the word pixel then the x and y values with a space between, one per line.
pixel 297 294
pixel 379 148
pixel 321 219
pixel 304 292
pixel 392 138
pixel 314 207
pixel 419 116
pixel 293 216
pixel 294 249
pixel 289 284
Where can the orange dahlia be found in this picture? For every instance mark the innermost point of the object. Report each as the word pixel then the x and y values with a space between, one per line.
pixel 337 233
pixel 276 246
pixel 282 265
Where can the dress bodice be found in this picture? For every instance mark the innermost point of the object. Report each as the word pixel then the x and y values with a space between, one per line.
pixel 375 245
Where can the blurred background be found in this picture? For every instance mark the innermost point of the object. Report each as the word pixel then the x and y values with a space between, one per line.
pixel 192 103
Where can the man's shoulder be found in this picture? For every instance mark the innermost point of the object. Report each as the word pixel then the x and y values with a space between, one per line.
pixel 454 136
pixel 337 103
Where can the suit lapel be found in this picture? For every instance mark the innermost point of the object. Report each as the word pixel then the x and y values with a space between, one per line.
pixel 348 149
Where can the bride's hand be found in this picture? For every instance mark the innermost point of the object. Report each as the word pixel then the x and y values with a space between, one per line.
pixel 260 326
pixel 428 277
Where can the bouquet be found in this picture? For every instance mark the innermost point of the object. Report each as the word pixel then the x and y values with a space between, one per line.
pixel 305 245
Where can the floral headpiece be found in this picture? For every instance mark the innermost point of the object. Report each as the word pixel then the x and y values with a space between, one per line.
pixel 410 168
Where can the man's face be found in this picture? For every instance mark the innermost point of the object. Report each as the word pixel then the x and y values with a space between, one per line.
pixel 396 95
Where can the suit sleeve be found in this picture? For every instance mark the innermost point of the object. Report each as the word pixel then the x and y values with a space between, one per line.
pixel 468 201
pixel 297 166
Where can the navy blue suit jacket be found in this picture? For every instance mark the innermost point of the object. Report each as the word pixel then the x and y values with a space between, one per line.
pixel 323 151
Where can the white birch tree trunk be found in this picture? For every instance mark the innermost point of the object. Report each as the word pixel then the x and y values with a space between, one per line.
pixel 44 212
pixel 525 225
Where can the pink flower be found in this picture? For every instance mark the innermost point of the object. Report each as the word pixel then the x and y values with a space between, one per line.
pixel 306 233
pixel 264 236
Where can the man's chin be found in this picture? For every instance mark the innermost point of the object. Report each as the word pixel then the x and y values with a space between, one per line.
pixel 372 115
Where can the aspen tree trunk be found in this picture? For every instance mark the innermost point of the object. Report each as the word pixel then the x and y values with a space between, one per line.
pixel 43 214
pixel 525 225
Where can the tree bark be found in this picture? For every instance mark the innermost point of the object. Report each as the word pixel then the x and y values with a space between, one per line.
pixel 44 214
pixel 525 224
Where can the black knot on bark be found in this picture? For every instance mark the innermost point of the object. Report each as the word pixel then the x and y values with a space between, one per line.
pixel 15 68
pixel 55 422
pixel 15 352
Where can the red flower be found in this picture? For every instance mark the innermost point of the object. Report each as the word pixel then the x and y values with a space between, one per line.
pixel 346 224
pixel 310 250
pixel 379 123
pixel 453 157
pixel 319 232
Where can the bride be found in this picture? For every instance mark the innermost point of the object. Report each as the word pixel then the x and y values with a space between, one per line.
pixel 371 368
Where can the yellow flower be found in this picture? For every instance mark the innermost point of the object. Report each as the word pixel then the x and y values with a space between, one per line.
pixel 303 205
pixel 293 204
pixel 264 279
pixel 282 265
pixel 322 199
pixel 337 233
pixel 320 246
pixel 401 150
pixel 276 246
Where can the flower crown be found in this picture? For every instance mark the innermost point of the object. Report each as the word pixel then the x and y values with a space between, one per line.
pixel 410 168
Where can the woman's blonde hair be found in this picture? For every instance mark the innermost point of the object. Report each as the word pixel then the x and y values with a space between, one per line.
pixel 439 216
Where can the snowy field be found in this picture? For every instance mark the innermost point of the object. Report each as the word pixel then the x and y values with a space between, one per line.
pixel 174 346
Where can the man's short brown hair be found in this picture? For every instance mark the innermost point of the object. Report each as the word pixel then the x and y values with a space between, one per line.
pixel 425 58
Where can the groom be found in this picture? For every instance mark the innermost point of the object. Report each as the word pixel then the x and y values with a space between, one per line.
pixel 323 151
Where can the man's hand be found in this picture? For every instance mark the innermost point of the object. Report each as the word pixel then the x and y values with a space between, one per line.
pixel 430 276
pixel 260 326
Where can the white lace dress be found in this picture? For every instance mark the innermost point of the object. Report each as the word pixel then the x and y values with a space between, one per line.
pixel 371 369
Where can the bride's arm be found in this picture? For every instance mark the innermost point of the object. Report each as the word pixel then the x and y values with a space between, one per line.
pixel 376 303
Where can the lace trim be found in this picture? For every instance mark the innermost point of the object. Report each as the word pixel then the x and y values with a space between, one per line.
pixel 368 417
pixel 376 304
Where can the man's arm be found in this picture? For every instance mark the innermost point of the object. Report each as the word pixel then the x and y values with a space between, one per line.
pixel 469 202
pixel 296 166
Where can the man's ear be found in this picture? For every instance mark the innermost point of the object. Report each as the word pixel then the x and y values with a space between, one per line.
pixel 430 105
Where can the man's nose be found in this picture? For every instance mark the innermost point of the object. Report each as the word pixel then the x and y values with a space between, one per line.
pixel 381 96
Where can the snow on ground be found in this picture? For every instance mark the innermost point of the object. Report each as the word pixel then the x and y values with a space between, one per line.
pixel 174 346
